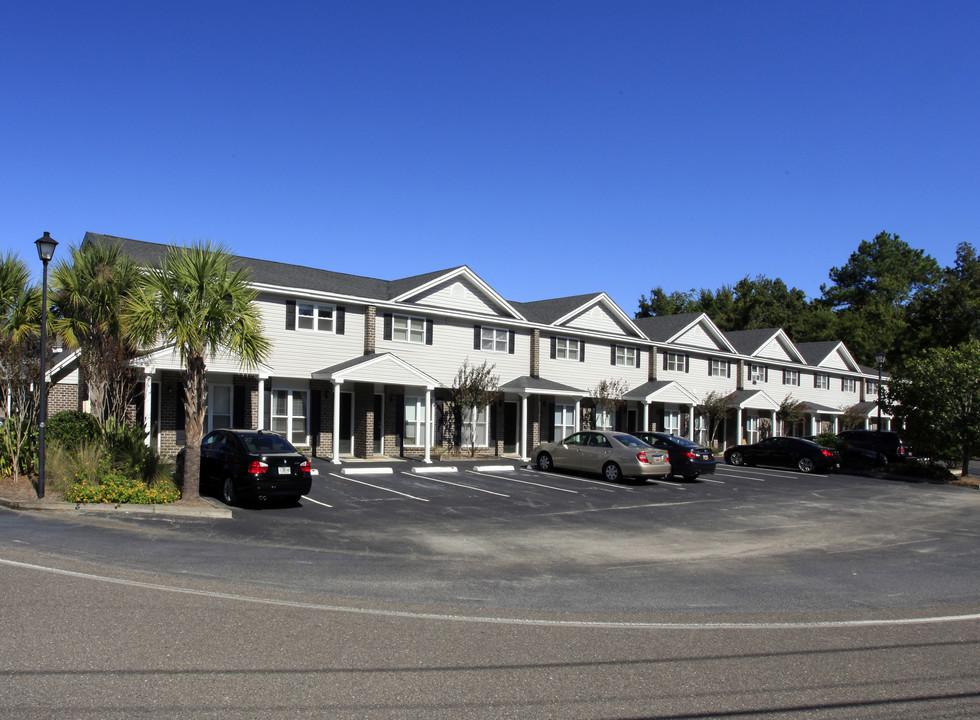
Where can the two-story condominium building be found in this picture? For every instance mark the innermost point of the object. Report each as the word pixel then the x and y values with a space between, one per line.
pixel 363 367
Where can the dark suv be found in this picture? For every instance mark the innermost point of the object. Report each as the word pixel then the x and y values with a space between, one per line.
pixel 892 446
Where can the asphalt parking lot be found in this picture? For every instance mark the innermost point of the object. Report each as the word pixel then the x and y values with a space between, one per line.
pixel 504 535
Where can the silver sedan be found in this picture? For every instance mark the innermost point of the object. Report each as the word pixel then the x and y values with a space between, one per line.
pixel 614 454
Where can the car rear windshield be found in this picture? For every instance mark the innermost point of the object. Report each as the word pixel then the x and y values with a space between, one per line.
pixel 266 444
pixel 631 441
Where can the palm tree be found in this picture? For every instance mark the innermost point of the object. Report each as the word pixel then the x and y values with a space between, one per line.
pixel 198 303
pixel 88 297
pixel 20 386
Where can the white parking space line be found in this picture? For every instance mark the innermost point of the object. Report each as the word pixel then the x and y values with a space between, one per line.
pixel 525 482
pixel 661 481
pixel 468 487
pixel 377 487
pixel 603 485
pixel 307 497
pixel 704 479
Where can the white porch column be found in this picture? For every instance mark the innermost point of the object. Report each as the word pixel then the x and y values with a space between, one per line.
pixel 522 443
pixel 428 425
pixel 690 425
pixel 738 426
pixel 261 423
pixel 336 422
pixel 646 415
pixel 773 419
pixel 578 416
pixel 147 405
pixel 813 424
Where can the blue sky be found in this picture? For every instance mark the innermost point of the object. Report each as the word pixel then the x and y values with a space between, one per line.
pixel 556 148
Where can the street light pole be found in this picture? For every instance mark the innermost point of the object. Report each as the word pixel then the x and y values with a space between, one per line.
pixel 45 251
pixel 880 360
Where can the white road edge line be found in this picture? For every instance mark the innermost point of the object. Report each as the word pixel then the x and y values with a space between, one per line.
pixel 307 497
pixel 526 482
pixel 377 487
pixel 540 622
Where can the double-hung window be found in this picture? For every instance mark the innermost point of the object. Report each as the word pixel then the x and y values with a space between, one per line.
pixel 414 420
pixel 757 373
pixel 718 368
pixel 821 382
pixel 871 387
pixel 564 421
pixel 567 348
pixel 791 377
pixel 625 356
pixel 289 415
pixel 219 406
pixel 405 328
pixel 311 316
pixel 676 362
pixel 848 385
pixel 672 422
pixel 494 339
pixel 476 427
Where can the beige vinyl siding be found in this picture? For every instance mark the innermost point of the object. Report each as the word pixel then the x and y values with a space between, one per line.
pixel 697 381
pixel 597 365
pixel 459 295
pixel 598 318
pixel 774 350
pixel 298 353
pixel 698 337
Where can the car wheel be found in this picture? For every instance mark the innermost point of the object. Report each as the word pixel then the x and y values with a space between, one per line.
pixel 805 464
pixel 612 473
pixel 736 458
pixel 228 492
pixel 545 463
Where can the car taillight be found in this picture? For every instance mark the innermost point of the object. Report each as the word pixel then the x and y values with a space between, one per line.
pixel 257 467
pixel 642 457
pixel 304 466
pixel 690 455
pixel 826 453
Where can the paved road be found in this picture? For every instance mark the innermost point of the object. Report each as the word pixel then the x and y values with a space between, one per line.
pixel 506 594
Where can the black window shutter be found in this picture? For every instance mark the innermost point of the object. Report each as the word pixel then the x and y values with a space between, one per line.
pixel 687 364
pixel 387 329
pixel 512 342
pixel 710 362
pixel 581 350
pixel 766 372
pixel 238 409
pixel 314 420
pixel 428 331
pixel 550 422
pixel 637 357
pixel 554 347
pixel 492 440
pixel 290 314
pixel 665 361
pixel 341 317
pixel 729 368
pixel 612 354
pixel 476 337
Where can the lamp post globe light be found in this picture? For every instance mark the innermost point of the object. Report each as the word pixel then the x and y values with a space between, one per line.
pixel 879 360
pixel 45 251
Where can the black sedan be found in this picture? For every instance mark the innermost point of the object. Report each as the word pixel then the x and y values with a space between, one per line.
pixel 803 454
pixel 251 465
pixel 687 458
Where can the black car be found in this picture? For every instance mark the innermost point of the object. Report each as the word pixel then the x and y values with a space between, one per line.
pixel 795 452
pixel 251 465
pixel 888 443
pixel 687 458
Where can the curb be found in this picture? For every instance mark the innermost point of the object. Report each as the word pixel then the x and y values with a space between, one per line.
pixel 215 511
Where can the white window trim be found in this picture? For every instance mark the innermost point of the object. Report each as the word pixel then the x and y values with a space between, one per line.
pixel 410 320
pixel 720 365
pixel 569 343
pixel 562 431
pixel 495 339
pixel 231 406
pixel 419 421
pixel 676 362
pixel 317 307
pixel 473 423
pixel 851 381
pixel 670 426
pixel 625 356
pixel 791 377
pixel 821 381
pixel 290 416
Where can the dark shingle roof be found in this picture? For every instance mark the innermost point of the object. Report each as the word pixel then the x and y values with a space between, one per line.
pixel 546 312
pixel 748 341
pixel 268 272
pixel 664 327
pixel 814 352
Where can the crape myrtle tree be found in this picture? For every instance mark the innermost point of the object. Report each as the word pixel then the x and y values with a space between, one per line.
pixel 938 394
pixel 198 302
pixel 88 296
pixel 716 406
pixel 606 397
pixel 20 367
pixel 474 389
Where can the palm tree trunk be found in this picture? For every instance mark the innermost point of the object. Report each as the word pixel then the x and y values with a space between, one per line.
pixel 195 408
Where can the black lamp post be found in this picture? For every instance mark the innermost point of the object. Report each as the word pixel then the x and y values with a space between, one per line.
pixel 45 251
pixel 880 360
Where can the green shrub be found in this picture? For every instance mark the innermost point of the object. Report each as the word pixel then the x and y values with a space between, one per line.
pixel 71 428
pixel 914 469
pixel 28 451
pixel 118 489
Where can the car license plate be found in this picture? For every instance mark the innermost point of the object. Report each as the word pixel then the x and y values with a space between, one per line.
pixel 285 470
